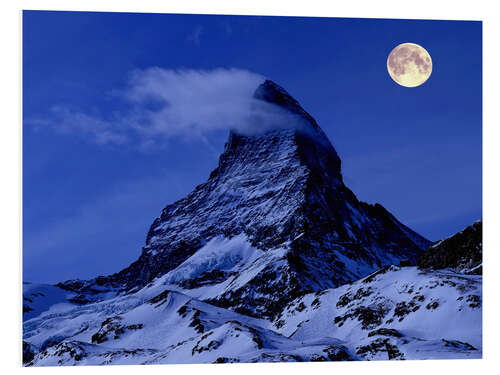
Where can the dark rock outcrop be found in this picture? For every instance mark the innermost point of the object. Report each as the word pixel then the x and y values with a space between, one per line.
pixel 28 352
pixel 462 252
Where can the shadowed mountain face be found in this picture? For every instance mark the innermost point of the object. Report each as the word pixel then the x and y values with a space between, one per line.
pixel 463 252
pixel 280 193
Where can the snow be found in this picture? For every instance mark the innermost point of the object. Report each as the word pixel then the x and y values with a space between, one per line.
pixel 452 319
pixel 44 298
pixel 178 328
pixel 218 254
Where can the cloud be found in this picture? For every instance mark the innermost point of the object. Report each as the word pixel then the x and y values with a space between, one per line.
pixel 189 103
pixel 101 131
pixel 184 104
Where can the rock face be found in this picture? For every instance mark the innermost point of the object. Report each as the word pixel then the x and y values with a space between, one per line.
pixel 462 252
pixel 282 190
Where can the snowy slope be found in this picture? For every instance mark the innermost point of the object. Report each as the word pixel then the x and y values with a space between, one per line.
pixel 163 327
pixel 396 313
pixel 44 298
pixel 38 298
pixel 421 314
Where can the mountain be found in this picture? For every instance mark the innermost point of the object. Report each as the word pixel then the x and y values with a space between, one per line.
pixel 276 220
pixel 462 252
pixel 273 258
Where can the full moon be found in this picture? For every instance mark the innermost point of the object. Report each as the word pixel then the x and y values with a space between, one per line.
pixel 409 65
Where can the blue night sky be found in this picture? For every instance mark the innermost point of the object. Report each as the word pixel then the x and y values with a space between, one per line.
pixel 93 184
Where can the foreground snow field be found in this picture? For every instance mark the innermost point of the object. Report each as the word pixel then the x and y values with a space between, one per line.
pixel 395 313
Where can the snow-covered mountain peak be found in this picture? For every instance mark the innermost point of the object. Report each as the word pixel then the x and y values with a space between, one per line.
pixel 281 194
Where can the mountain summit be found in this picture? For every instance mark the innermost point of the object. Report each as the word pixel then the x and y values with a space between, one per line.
pixel 274 221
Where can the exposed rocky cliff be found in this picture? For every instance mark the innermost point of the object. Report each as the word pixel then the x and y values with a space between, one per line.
pixel 462 252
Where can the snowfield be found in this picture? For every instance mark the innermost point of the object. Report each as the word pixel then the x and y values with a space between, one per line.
pixel 423 314
pixel 395 313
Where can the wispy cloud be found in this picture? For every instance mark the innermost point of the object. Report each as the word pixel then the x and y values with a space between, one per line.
pixel 99 130
pixel 182 104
